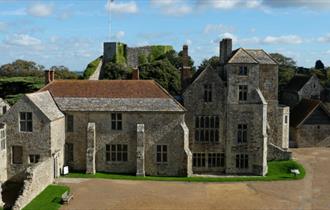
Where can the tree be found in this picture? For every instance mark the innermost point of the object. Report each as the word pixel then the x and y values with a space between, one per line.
pixel 283 60
pixel 319 65
pixel 164 73
pixel 21 68
pixel 62 72
pixel 213 61
pixel 116 71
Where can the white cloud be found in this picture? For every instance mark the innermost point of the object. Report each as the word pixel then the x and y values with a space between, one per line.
pixel 288 39
pixel 253 3
pixel 225 4
pixel 22 40
pixel 188 42
pixel 172 7
pixel 40 10
pixel 122 7
pixel 119 35
pixel 217 28
pixel 325 38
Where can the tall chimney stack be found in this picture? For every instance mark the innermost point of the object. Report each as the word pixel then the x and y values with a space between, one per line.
pixel 52 75
pixel 136 74
pixel 47 77
pixel 226 47
pixel 185 70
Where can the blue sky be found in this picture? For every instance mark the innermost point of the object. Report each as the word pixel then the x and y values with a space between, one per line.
pixel 72 33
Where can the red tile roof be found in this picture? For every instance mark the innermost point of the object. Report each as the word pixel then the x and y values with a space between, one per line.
pixel 106 89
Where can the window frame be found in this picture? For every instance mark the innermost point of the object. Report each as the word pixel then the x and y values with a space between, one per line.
pixel 35 158
pixel 242 161
pixel 26 122
pixel 243 93
pixel 208 93
pixel 69 123
pixel 199 160
pixel 215 160
pixel 13 159
pixel 242 133
pixel 243 71
pixel 163 154
pixel 207 129
pixel 114 152
pixel 4 110
pixel 2 139
pixel 69 152
pixel 116 121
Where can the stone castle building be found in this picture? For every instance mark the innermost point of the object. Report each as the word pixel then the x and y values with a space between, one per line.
pixel 233 113
pixel 230 123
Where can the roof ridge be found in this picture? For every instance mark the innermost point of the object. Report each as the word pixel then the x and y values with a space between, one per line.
pixel 251 55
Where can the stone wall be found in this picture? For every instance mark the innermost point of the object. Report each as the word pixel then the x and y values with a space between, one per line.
pixel 38 177
pixel 3 155
pixel 278 153
pixel 134 52
pixel 312 89
pixel 310 135
pixel 160 128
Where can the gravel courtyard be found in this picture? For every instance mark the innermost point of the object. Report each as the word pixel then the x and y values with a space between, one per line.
pixel 313 192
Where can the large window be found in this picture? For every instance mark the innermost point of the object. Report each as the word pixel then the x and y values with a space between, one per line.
pixel 161 154
pixel 68 152
pixel 116 121
pixel 242 161
pixel 199 160
pixel 17 155
pixel 208 93
pixel 34 158
pixel 116 152
pixel 242 136
pixel 2 140
pixel 243 91
pixel 25 121
pixel 207 129
pixel 243 70
pixel 69 123
pixel 216 160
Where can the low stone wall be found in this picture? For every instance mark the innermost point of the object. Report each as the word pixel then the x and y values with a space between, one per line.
pixel 38 177
pixel 277 153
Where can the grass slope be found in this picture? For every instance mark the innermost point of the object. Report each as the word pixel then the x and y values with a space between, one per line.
pixel 48 199
pixel 277 170
pixel 91 68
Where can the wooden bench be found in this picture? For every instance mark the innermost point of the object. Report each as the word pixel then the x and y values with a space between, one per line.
pixel 66 197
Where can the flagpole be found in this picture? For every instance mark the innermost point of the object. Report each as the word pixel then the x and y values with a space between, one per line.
pixel 109 19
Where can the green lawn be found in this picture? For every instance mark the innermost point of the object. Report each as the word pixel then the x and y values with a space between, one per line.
pixel 277 170
pixel 48 199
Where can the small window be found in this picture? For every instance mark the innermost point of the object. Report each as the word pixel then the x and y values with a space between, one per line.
pixel 68 152
pixel 17 155
pixel 161 155
pixel 116 152
pixel 69 123
pixel 25 121
pixel 34 158
pixel 242 133
pixel 4 110
pixel 243 91
pixel 242 161
pixel 208 93
pixel 116 121
pixel 286 119
pixel 199 160
pixel 216 160
pixel 243 70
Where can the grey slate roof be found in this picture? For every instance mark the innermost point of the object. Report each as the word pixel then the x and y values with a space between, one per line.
pixel 46 104
pixel 251 56
pixel 119 104
pixel 297 82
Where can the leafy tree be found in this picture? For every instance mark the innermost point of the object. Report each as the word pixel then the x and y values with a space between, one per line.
pixel 62 72
pixel 116 71
pixel 283 60
pixel 319 64
pixel 213 61
pixel 21 68
pixel 164 73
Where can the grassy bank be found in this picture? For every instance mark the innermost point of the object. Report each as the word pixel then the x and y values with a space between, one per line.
pixel 48 199
pixel 277 170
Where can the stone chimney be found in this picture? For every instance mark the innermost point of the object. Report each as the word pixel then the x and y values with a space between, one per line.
pixel 185 70
pixel 226 46
pixel 136 74
pixel 49 76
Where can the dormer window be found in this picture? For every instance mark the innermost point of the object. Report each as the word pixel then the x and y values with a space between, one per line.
pixel 207 93
pixel 243 70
